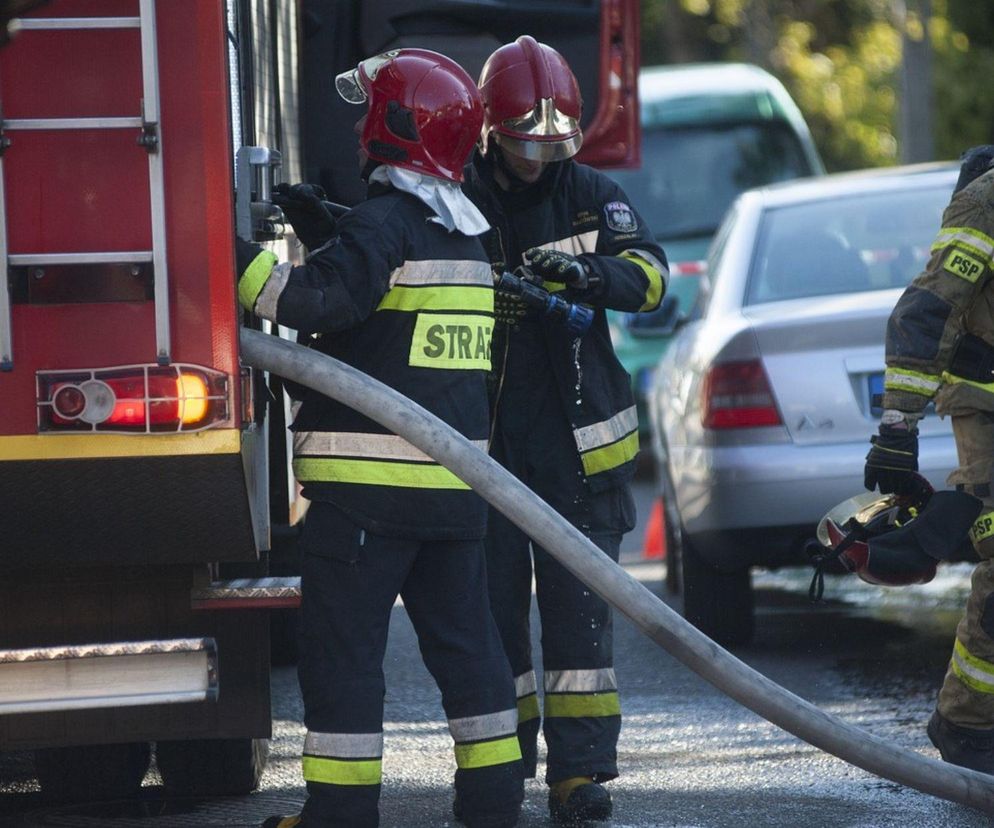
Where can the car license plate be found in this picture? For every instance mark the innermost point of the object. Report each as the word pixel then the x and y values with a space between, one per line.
pixel 875 383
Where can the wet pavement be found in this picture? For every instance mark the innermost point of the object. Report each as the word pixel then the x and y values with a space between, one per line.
pixel 689 755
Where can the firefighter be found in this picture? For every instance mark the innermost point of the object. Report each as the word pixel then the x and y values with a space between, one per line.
pixel 403 292
pixel 563 407
pixel 939 348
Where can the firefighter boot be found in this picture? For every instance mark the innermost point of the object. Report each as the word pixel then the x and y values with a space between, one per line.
pixel 962 746
pixel 574 801
pixel 282 822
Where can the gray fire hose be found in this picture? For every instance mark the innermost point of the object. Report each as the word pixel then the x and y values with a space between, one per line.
pixel 581 557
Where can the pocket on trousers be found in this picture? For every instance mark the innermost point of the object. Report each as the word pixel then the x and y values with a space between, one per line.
pixel 330 533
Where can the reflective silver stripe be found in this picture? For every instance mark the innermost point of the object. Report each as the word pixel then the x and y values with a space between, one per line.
pixel 357 444
pixel 487 726
pixel 912 381
pixel 652 260
pixel 443 272
pixel 965 236
pixel 972 670
pixel 269 296
pixel 575 245
pixel 525 684
pixel 607 432
pixel 580 681
pixel 344 745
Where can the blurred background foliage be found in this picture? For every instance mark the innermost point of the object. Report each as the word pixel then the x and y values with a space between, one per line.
pixel 879 81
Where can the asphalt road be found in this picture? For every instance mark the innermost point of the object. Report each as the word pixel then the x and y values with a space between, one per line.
pixel 689 755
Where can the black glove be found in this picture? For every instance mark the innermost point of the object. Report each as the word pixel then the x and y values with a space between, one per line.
pixel 557 267
pixel 508 308
pixel 303 206
pixel 245 253
pixel 891 460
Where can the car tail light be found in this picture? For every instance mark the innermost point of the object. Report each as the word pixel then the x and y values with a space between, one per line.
pixel 688 268
pixel 133 398
pixel 738 395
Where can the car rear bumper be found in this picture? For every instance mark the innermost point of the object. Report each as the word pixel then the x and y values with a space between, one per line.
pixel 728 491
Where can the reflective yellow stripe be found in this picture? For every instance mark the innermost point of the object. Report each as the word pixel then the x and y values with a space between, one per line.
pixel 654 291
pixel 451 341
pixel 439 298
pixel 609 457
pixel 95 446
pixel 974 672
pixel 343 771
pixel 528 708
pixel 983 527
pixel 965 237
pixel 375 473
pixel 914 382
pixel 486 754
pixel 253 280
pixel 581 705
pixel 952 379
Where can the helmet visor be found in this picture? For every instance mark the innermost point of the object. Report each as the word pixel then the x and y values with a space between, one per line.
pixel 536 149
pixel 353 83
pixel 350 87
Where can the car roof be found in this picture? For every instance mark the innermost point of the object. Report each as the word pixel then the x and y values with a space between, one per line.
pixel 709 92
pixel 880 179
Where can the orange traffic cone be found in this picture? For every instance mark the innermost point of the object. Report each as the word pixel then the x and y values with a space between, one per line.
pixel 654 544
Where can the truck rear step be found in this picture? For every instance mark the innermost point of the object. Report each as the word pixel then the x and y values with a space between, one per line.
pixel 248 593
pixel 122 674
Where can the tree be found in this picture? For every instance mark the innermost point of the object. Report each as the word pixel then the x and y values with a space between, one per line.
pixel 842 62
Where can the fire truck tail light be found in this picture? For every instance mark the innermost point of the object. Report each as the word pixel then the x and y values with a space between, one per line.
pixel 134 398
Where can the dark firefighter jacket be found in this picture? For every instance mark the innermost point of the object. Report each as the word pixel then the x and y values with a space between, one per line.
pixel 575 209
pixel 942 329
pixel 401 299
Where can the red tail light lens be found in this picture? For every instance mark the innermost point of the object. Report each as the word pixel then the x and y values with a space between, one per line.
pixel 135 398
pixel 738 395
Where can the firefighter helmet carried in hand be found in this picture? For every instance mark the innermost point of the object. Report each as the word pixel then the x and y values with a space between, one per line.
pixel 894 539
pixel 425 112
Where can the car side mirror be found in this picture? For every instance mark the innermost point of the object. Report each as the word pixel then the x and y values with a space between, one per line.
pixel 663 321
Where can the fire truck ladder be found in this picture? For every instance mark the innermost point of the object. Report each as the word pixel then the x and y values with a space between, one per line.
pixel 149 138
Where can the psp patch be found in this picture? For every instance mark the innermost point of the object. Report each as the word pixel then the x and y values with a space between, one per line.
pixel 620 217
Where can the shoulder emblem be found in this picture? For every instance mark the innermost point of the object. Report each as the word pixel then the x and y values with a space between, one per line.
pixel 964 265
pixel 620 217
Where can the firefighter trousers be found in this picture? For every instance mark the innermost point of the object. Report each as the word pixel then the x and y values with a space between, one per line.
pixel 350 581
pixel 967 695
pixel 582 713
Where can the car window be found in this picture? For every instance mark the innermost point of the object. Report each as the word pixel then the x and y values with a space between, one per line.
pixel 715 252
pixel 689 176
pixel 847 244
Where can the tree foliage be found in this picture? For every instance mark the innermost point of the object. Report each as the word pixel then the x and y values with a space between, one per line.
pixel 842 62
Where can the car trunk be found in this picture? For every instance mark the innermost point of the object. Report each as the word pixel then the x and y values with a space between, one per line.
pixel 824 358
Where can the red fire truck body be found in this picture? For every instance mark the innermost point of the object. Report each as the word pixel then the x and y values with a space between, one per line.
pixel 141 465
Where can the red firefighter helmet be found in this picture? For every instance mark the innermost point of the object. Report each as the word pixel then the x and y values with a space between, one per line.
pixel 425 112
pixel 532 102
pixel 894 539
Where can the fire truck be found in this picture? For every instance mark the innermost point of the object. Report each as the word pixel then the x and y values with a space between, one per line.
pixel 147 509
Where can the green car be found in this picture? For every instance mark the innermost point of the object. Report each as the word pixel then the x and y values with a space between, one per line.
pixel 709 132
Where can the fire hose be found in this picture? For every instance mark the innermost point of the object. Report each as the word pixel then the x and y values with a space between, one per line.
pixel 623 592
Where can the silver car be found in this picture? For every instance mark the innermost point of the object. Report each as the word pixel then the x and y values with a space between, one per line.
pixel 762 408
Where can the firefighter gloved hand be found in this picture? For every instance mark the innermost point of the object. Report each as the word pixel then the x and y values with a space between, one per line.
pixel 554 266
pixel 245 253
pixel 303 206
pixel 892 459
